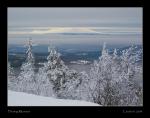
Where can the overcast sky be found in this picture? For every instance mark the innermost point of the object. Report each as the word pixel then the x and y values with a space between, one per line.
pixel 82 18
pixel 72 16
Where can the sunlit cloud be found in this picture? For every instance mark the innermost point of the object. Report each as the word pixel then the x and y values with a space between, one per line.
pixel 97 30
pixel 65 30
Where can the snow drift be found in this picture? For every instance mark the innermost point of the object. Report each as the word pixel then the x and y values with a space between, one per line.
pixel 24 99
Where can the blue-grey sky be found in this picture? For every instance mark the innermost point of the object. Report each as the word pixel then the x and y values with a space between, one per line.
pixel 45 24
pixel 72 16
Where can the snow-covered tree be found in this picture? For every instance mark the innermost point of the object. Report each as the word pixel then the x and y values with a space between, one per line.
pixel 10 71
pixel 30 57
pixel 75 86
pixel 68 89
pixel 102 72
pixel 26 78
pixel 11 78
pixel 44 86
pixel 115 79
pixel 55 69
pixel 83 90
pixel 131 77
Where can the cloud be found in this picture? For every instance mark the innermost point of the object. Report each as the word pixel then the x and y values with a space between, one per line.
pixel 56 30
pixel 97 30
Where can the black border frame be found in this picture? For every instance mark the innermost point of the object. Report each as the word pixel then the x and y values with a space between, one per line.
pixel 3 37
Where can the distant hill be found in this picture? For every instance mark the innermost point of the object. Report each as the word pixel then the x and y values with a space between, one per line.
pixel 16 53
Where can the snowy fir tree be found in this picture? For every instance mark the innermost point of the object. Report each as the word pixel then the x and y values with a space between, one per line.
pixel 46 77
pixel 75 86
pixel 67 90
pixel 82 90
pixel 10 72
pixel 26 78
pixel 55 69
pixel 11 78
pixel 44 86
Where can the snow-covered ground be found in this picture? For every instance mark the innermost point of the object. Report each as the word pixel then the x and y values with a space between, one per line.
pixel 80 62
pixel 80 68
pixel 24 99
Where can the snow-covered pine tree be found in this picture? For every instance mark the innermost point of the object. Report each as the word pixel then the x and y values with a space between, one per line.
pixel 11 78
pixel 30 58
pixel 26 78
pixel 44 86
pixel 83 90
pixel 68 89
pixel 55 69
pixel 10 72
pixel 75 86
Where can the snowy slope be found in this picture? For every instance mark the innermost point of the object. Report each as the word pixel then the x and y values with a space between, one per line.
pixel 24 99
